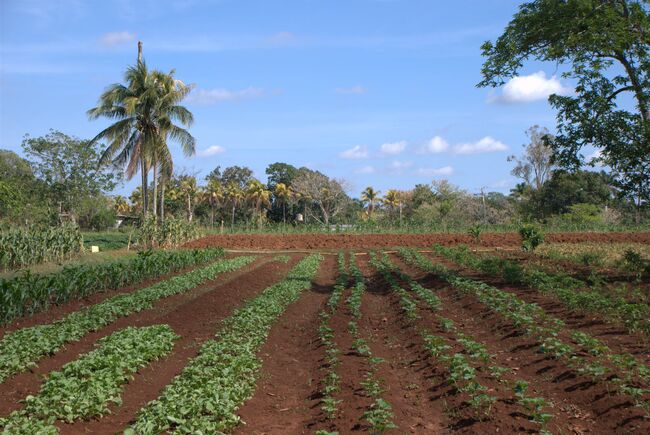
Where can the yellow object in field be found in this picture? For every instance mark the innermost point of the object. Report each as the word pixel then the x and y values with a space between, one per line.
pixel 94 249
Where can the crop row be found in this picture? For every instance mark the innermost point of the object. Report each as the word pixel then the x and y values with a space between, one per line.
pixel 205 396
pixel 23 247
pixel 29 293
pixel 570 291
pixel 543 327
pixel 379 413
pixel 461 373
pixel 332 380
pixel 86 387
pixel 23 348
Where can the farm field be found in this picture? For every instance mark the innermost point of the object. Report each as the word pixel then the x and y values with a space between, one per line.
pixel 399 339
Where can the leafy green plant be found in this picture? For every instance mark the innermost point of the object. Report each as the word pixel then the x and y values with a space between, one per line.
pixel 21 349
pixel 86 387
pixel 205 396
pixel 531 237
pixel 475 232
pixel 379 416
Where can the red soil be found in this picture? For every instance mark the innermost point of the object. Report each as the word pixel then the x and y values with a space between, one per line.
pixel 343 241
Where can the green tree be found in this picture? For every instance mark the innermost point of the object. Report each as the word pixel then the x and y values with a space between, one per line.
pixel 565 189
pixel 280 173
pixel 370 196
pixel 283 195
pixel 70 168
pixel 147 112
pixel 604 44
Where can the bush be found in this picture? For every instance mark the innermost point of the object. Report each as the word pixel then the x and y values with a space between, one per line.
pixel 531 237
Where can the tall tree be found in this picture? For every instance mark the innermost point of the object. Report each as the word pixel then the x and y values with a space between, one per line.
pixel 280 173
pixel 370 196
pixel 235 195
pixel 257 193
pixel 215 193
pixel 605 46
pixel 535 166
pixel 326 194
pixel 394 200
pixel 69 167
pixel 283 194
pixel 146 109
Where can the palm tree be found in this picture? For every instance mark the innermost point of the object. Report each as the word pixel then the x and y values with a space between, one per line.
pixel 283 194
pixel 145 109
pixel 136 199
pixel 370 195
pixel 393 199
pixel 257 193
pixel 189 190
pixel 172 91
pixel 214 195
pixel 234 194
pixel 121 205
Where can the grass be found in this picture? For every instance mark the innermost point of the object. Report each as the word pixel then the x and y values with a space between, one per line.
pixel 106 241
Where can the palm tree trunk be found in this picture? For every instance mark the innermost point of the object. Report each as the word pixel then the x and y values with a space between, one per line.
pixel 232 219
pixel 284 212
pixel 212 214
pixel 145 196
pixel 162 201
pixel 189 208
pixel 155 187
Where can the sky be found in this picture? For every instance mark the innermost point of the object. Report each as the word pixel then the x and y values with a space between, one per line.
pixel 380 93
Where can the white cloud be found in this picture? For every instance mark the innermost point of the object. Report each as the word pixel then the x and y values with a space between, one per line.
pixel 365 170
pixel 354 90
pixel 393 148
pixel 485 145
pixel 213 96
pixel 445 171
pixel 398 167
pixel 211 151
pixel 533 87
pixel 112 39
pixel 356 152
pixel 435 146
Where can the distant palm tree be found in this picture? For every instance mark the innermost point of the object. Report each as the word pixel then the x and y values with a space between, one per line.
pixel 234 194
pixel 121 205
pixel 189 190
pixel 370 196
pixel 283 194
pixel 257 193
pixel 393 199
pixel 145 109
pixel 136 199
pixel 215 194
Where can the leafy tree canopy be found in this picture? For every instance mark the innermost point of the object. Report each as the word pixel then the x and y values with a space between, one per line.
pixel 604 44
pixel 280 173
pixel 69 167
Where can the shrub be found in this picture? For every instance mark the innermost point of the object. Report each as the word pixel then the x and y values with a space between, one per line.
pixel 531 237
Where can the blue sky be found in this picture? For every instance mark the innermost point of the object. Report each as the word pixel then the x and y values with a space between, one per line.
pixel 378 92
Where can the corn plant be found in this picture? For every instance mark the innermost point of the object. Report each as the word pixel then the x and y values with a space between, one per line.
pixel 29 293
pixel 29 246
